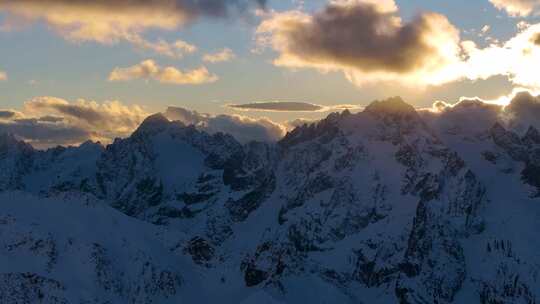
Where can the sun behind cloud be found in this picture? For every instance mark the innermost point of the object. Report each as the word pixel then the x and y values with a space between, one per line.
pixel 367 41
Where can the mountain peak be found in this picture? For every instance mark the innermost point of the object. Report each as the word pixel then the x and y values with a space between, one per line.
pixel 532 136
pixel 391 106
pixel 8 142
pixel 152 123
pixel 7 137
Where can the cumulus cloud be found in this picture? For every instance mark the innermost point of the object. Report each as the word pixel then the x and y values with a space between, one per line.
pixel 49 121
pixel 149 69
pixel 108 22
pixel 223 55
pixel 523 111
pixel 474 116
pixel 369 42
pixel 513 59
pixel 295 123
pixel 518 7
pixel 468 116
pixel 243 128
pixel 366 40
pixel 111 118
pixel 44 134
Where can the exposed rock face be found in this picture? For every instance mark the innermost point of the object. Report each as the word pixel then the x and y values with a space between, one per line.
pixel 381 206
pixel 15 162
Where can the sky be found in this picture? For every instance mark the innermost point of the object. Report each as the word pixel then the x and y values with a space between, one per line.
pixel 72 70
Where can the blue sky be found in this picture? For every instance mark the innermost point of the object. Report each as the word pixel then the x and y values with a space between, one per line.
pixel 40 60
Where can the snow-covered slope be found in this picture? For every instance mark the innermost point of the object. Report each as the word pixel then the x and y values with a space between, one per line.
pixel 389 205
pixel 73 250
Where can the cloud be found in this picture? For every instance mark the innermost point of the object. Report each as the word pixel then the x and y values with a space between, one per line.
pixel 366 40
pixel 474 116
pixel 50 121
pixel 43 134
pixel 536 39
pixel 468 116
pixel 3 76
pixel 523 111
pixel 279 106
pixel 243 128
pixel 109 22
pixel 513 59
pixel 292 124
pixel 7 114
pixel 518 7
pixel 176 50
pixel 149 69
pixel 224 55
pixel 286 106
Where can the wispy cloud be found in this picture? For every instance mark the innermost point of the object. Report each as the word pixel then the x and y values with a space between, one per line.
pixel 178 49
pixel 277 106
pixel 224 55
pixel 150 70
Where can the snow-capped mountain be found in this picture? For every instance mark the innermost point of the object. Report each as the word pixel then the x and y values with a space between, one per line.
pixel 390 205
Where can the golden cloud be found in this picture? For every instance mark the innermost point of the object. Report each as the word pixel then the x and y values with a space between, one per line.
pixel 518 7
pixel 109 22
pixel 176 50
pixel 223 55
pixel 49 121
pixel 108 119
pixel 3 76
pixel 149 69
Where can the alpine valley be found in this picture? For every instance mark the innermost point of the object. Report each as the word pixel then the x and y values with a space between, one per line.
pixel 389 205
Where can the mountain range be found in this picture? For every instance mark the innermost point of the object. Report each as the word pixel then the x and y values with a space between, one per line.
pixel 389 205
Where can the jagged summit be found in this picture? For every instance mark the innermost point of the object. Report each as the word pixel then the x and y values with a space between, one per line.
pixel 391 106
pixel 532 136
pixel 153 123
pixel 384 119
pixel 327 127
pixel 8 140
pixel 7 137
pixel 155 120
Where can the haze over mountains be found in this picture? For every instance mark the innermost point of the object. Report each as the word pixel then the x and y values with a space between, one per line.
pixel 388 205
